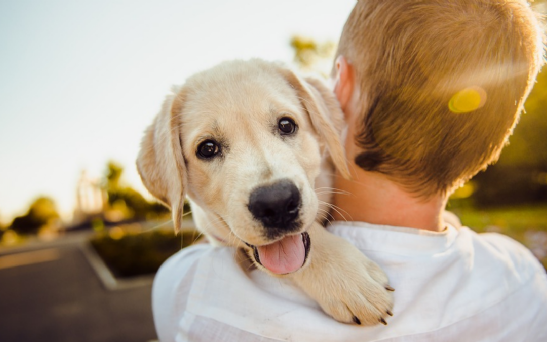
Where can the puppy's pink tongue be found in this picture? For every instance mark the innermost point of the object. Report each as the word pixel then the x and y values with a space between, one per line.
pixel 284 256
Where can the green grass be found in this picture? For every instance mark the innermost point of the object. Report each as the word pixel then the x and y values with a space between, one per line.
pixel 526 224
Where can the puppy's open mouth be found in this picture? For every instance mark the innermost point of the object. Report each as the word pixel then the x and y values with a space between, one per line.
pixel 284 256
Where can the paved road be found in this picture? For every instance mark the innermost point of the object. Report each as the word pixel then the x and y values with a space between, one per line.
pixel 52 294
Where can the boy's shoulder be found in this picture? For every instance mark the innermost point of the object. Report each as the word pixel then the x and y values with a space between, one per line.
pixel 501 248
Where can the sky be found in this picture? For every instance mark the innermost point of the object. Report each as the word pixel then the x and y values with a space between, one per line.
pixel 80 81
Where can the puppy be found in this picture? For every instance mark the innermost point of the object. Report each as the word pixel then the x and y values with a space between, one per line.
pixel 254 147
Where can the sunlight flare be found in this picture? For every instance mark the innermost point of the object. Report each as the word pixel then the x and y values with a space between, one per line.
pixel 467 100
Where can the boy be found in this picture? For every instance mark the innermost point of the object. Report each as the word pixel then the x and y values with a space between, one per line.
pixel 430 90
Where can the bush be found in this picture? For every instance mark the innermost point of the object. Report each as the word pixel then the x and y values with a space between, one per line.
pixel 139 254
pixel 510 185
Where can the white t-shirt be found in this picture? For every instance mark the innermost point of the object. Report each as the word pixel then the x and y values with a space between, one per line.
pixel 450 286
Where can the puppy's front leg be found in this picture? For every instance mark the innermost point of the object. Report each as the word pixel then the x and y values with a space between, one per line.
pixel 347 285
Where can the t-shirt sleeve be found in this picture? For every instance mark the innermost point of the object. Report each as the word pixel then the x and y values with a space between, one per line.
pixel 531 273
pixel 171 287
pixel 517 256
pixel 537 330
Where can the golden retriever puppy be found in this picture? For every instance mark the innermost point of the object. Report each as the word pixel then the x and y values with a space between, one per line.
pixel 254 147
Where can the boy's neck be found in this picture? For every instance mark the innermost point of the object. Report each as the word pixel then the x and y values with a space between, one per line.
pixel 373 198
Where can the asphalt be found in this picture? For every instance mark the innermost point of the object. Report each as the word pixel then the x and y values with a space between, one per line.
pixel 49 292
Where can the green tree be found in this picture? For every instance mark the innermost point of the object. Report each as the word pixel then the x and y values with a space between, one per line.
pixel 126 199
pixel 40 213
pixel 311 55
pixel 2 229
pixel 520 176
pixel 113 175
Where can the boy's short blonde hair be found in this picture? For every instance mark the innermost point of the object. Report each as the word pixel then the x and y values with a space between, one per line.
pixel 442 85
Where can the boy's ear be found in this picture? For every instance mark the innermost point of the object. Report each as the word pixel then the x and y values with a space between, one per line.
pixel 324 113
pixel 344 83
pixel 160 162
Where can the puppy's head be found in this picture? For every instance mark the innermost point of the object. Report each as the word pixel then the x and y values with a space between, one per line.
pixel 245 141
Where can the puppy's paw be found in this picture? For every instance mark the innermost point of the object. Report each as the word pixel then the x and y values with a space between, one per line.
pixel 357 293
pixel 347 285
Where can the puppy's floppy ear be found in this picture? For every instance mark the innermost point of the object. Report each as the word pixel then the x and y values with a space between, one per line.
pixel 160 162
pixel 325 115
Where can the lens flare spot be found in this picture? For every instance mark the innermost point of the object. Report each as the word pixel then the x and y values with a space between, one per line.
pixel 116 233
pixel 467 100
pixel 465 191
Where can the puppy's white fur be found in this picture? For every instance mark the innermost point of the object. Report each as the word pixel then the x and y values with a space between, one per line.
pixel 239 104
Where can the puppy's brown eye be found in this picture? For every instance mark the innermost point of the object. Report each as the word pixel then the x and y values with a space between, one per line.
pixel 286 126
pixel 208 149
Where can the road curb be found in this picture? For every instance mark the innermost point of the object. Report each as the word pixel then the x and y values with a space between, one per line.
pixel 109 281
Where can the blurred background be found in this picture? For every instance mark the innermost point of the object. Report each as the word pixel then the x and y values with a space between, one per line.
pixel 80 237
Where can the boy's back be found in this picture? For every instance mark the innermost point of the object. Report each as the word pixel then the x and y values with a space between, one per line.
pixel 451 286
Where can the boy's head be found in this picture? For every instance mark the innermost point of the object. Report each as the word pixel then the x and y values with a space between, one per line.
pixel 442 84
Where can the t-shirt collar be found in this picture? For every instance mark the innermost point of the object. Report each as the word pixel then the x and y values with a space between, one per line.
pixel 393 239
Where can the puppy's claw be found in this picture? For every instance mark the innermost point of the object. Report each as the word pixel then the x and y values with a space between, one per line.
pixel 356 320
pixel 383 321
pixel 389 312
pixel 389 288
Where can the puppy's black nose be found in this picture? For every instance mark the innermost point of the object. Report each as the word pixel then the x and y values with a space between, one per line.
pixel 276 205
